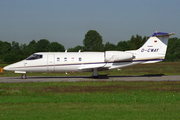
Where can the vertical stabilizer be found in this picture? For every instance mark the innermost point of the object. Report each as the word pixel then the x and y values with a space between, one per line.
pixel 154 49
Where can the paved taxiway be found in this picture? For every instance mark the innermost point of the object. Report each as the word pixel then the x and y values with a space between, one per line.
pixel 89 78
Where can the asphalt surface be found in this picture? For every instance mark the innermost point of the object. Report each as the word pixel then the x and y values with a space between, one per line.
pixel 90 78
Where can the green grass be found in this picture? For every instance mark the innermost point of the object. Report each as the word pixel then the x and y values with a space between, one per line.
pixel 90 100
pixel 162 68
pixel 94 100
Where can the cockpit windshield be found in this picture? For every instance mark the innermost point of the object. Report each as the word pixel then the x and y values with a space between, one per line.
pixel 34 57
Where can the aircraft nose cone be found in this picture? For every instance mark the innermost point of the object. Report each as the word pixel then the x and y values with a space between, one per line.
pixel 6 68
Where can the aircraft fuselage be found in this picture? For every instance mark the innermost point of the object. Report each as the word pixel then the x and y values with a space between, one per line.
pixel 70 61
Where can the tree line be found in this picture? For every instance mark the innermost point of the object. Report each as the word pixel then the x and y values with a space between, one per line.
pixel 13 52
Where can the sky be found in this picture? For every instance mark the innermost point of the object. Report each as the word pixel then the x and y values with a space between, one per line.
pixel 67 21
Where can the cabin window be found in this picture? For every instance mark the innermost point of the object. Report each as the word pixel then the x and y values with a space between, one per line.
pixel 80 59
pixel 65 59
pixel 58 59
pixel 34 57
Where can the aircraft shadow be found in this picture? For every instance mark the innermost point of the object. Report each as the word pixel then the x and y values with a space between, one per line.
pixel 91 77
pixel 145 75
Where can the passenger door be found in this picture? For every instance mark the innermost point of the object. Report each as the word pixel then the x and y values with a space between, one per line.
pixel 50 64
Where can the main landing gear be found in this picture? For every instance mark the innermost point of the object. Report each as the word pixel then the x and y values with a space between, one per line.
pixel 95 73
pixel 23 76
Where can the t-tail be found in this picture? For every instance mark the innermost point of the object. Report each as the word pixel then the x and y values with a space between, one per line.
pixel 153 50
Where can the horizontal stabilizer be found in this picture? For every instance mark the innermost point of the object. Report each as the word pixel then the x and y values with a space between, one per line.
pixel 161 34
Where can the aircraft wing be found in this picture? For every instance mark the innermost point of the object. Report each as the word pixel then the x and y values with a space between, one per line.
pixel 92 66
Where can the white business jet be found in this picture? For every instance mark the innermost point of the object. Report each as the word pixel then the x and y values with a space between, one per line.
pixel 154 50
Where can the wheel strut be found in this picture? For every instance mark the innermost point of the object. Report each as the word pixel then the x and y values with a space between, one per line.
pixel 23 76
pixel 95 73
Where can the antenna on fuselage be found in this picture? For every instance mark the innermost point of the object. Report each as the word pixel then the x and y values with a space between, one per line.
pixel 79 51
pixel 66 51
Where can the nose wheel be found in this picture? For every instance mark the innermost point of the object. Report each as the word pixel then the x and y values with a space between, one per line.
pixel 23 76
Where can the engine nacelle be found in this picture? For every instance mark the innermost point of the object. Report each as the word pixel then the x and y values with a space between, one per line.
pixel 117 56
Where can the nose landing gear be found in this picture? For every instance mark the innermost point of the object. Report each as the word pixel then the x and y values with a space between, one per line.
pixel 23 76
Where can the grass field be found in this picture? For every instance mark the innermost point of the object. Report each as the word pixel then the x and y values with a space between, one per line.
pixel 90 100
pixel 94 100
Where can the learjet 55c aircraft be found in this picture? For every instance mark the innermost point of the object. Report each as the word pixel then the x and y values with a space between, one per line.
pixel 152 51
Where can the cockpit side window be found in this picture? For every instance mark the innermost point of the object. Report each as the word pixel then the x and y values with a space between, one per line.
pixel 34 57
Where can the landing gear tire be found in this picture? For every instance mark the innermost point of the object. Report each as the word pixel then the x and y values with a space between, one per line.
pixel 23 76
pixel 95 76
